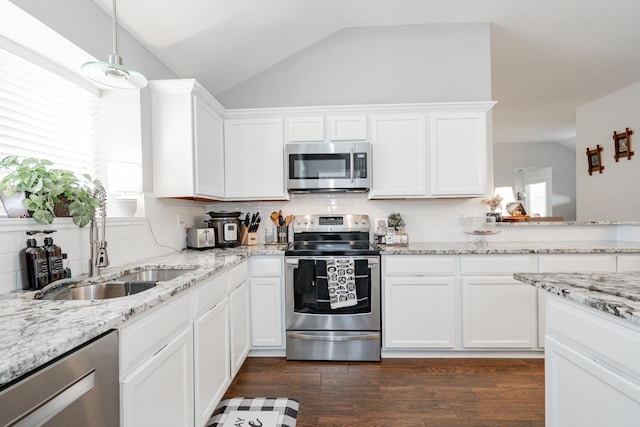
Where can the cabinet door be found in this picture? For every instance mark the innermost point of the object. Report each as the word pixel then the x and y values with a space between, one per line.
pixel 347 128
pixel 209 150
pixel 254 153
pixel 240 332
pixel 211 359
pixel 160 391
pixel 458 153
pixel 419 312
pixel 302 129
pixel 499 312
pixel 581 391
pixel 266 312
pixel 399 159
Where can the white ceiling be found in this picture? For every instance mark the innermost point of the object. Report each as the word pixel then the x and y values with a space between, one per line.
pixel 548 56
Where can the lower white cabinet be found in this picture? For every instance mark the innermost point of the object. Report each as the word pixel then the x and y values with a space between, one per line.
pixel 267 309
pixel 156 367
pixel 592 369
pixel 239 327
pixel 419 312
pixel 498 312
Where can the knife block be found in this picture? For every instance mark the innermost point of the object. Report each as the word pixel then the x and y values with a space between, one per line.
pixel 246 238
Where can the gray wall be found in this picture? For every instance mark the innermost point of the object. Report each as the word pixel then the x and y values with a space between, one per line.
pixel 85 24
pixel 376 65
pixel 507 157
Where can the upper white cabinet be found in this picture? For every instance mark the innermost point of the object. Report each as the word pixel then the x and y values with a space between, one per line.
pixel 301 129
pixel 347 127
pixel 430 150
pixel 458 153
pixel 253 145
pixel 398 146
pixel 187 140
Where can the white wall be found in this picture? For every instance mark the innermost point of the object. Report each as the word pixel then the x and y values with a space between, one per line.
pixel 613 194
pixel 508 157
pixel 371 65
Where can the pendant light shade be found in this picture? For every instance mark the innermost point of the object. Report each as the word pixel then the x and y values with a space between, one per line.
pixel 113 73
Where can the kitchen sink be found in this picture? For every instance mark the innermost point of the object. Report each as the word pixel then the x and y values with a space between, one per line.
pixel 128 284
pixel 154 275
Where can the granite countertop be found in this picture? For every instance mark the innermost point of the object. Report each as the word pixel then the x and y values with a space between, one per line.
pixel 462 248
pixel 615 293
pixel 35 332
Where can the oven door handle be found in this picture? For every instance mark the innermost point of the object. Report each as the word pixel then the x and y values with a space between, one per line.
pixel 334 338
pixel 293 262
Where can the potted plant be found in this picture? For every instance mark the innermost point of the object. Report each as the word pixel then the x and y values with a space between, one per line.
pixel 395 221
pixel 44 187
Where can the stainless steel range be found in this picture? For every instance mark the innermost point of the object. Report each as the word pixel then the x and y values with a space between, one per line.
pixel 332 289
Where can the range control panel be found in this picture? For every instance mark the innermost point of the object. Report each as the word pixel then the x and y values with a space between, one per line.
pixel 330 222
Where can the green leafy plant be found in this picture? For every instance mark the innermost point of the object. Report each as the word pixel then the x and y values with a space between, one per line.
pixel 45 186
pixel 395 221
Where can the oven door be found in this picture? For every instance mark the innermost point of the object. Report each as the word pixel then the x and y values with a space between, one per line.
pixel 309 307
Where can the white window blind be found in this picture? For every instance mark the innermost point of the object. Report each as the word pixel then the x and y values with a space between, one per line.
pixel 46 116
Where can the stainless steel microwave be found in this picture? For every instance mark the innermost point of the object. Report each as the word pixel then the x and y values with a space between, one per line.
pixel 328 166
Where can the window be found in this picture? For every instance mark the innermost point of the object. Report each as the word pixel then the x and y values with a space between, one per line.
pixel 44 115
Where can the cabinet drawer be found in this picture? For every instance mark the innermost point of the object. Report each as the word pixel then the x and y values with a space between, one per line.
pixel 146 336
pixel 603 335
pixel 576 263
pixel 238 275
pixel 416 265
pixel 492 264
pixel 628 263
pixel 209 293
pixel 266 266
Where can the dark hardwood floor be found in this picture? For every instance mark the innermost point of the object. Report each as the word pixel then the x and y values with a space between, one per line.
pixel 402 392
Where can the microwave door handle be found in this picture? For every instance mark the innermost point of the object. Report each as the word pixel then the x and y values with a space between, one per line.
pixel 351 164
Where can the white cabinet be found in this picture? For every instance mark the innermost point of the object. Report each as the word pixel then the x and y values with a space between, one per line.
pixel 267 309
pixel 187 140
pixel 156 367
pixel 239 332
pixel 419 312
pixel 592 370
pixel 301 129
pixel 577 262
pixel 419 300
pixel 497 310
pixel 347 128
pixel 458 153
pixel 253 145
pixel 211 342
pixel 398 145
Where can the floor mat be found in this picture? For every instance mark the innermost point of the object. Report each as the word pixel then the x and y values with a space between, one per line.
pixel 286 408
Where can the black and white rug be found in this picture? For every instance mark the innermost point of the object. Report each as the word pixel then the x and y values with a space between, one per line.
pixel 255 412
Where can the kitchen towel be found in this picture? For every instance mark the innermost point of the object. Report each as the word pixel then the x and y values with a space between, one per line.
pixel 303 276
pixel 341 281
pixel 286 408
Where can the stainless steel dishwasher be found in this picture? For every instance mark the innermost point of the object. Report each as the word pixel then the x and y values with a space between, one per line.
pixel 78 389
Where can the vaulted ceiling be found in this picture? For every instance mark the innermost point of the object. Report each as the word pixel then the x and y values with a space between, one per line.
pixel 548 56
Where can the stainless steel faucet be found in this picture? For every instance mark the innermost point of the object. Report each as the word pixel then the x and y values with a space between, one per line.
pixel 99 256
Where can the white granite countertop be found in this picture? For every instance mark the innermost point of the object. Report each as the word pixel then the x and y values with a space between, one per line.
pixel 34 332
pixel 615 293
pixel 462 248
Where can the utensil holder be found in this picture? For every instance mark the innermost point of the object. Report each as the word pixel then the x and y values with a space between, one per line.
pixel 283 234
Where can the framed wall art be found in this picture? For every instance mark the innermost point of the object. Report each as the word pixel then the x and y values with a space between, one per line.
pixel 622 142
pixel 593 160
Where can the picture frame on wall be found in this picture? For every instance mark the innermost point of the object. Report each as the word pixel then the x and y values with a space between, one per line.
pixel 594 160
pixel 622 143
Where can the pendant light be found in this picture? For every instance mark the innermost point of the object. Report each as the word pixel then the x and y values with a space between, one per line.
pixel 113 73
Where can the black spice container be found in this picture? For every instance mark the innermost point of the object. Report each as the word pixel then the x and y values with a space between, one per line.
pixel 33 263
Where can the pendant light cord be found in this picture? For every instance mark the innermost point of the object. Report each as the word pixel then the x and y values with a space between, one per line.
pixel 115 29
